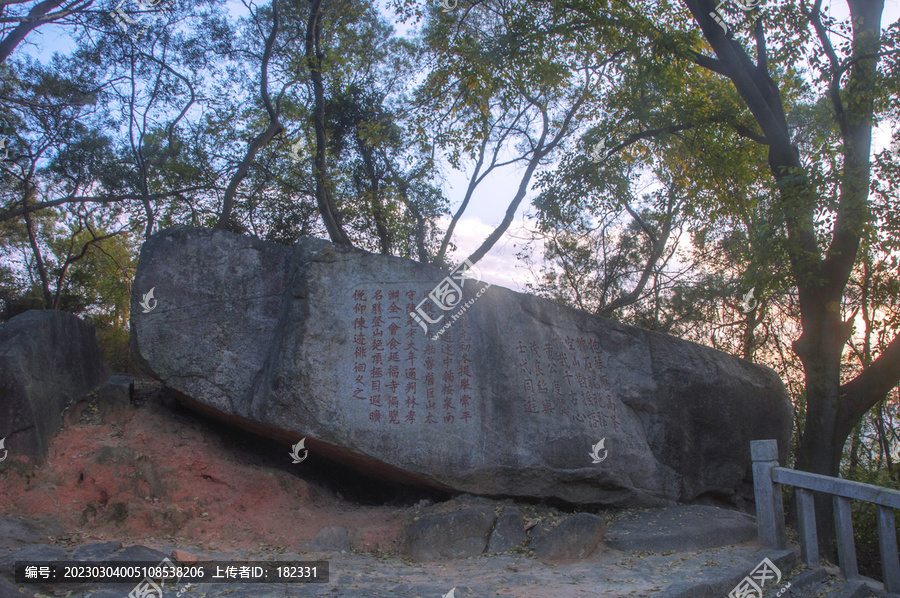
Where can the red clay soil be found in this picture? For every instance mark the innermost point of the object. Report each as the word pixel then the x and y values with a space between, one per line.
pixel 149 478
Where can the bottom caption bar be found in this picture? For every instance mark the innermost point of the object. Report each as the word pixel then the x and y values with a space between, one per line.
pixel 47 572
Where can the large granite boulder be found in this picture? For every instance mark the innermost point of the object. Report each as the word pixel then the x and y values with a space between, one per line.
pixel 48 358
pixel 504 394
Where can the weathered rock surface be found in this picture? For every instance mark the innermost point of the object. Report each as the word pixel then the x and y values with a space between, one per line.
pixel 316 341
pixel 9 590
pixel 575 537
pixel 456 535
pixel 685 527
pixel 332 538
pixel 98 551
pixel 16 533
pixel 47 359
pixel 508 531
pixel 114 397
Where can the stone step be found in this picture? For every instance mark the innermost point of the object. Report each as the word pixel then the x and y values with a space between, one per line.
pixel 720 580
pixel 807 583
pixel 825 582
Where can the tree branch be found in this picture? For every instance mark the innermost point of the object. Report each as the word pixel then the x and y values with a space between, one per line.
pixel 12 213
pixel 274 128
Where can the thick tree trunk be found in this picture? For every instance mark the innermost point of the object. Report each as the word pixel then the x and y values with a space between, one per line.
pixel 821 445
pixel 821 277
pixel 39 15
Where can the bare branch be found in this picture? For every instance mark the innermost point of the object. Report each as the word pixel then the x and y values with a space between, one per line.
pixel 34 207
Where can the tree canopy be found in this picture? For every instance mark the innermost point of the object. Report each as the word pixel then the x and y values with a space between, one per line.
pixel 721 172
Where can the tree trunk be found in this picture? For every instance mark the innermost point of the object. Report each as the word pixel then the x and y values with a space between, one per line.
pixel 274 127
pixel 385 239
pixel 327 209
pixel 820 348
pixel 854 449
pixel 36 250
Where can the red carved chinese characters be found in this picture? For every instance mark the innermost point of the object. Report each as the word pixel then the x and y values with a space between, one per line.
pixel 402 374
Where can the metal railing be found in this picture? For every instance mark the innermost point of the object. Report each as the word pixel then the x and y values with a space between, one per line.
pixel 767 480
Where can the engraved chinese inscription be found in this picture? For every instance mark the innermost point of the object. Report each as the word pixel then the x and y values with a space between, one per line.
pixel 567 377
pixel 402 376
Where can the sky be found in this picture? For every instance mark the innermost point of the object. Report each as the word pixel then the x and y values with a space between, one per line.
pixel 500 266
pixel 491 199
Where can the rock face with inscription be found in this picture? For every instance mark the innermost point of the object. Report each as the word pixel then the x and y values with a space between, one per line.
pixel 416 374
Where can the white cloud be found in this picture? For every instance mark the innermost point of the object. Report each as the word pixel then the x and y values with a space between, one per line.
pixel 500 266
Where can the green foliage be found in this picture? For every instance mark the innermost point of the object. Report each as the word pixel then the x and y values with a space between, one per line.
pixel 92 273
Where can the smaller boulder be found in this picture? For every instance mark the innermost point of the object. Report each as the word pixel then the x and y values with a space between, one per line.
pixel 48 359
pixel 99 551
pixel 331 539
pixel 682 528
pixel 9 590
pixel 508 533
pixel 574 538
pixel 18 533
pixel 454 535
pixel 35 552
pixel 114 397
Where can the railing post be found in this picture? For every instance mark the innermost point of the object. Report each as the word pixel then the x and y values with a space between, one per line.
pixel 843 524
pixel 769 507
pixel 806 518
pixel 887 538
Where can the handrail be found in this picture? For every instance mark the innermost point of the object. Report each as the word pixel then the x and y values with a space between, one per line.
pixel 768 477
pixel 837 486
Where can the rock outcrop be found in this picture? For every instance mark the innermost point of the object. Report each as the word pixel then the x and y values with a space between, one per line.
pixel 408 372
pixel 48 358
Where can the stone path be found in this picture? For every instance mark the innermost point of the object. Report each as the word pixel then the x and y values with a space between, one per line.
pixel 609 573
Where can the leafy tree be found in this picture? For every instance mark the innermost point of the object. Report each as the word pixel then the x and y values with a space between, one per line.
pixel 502 75
pixel 821 200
